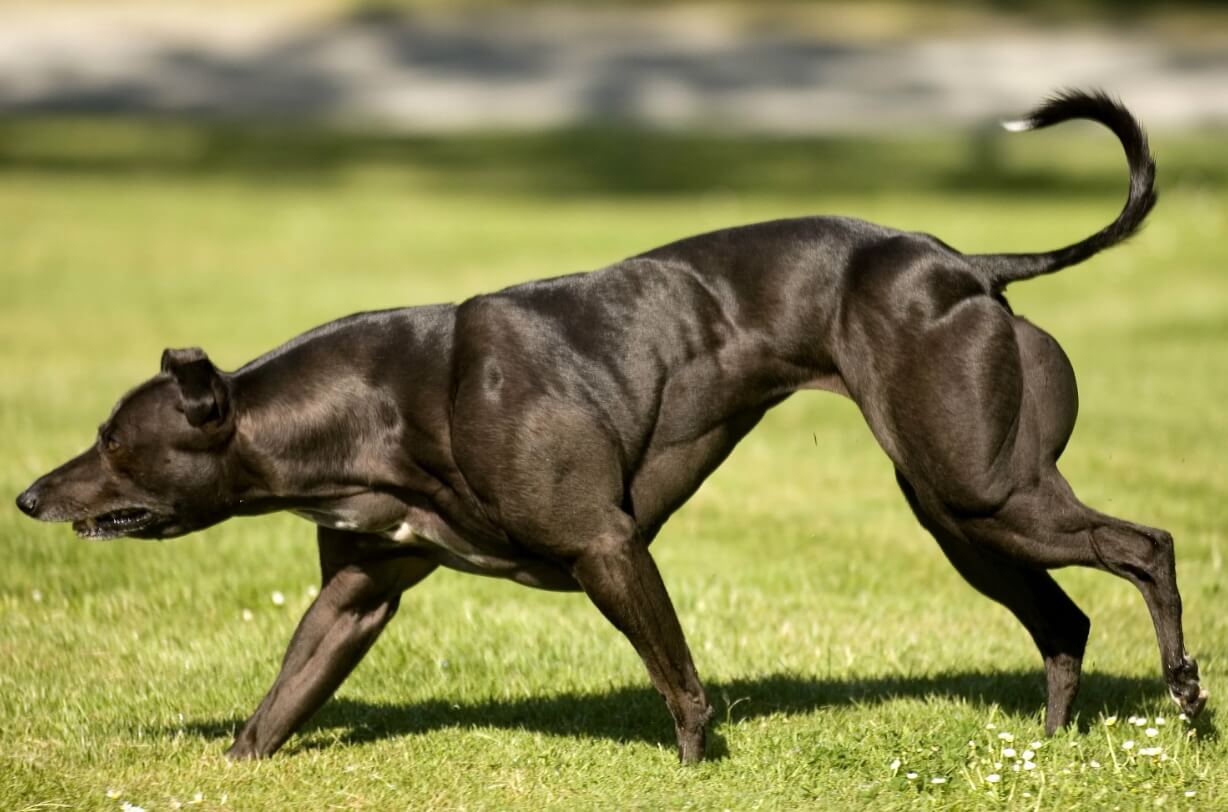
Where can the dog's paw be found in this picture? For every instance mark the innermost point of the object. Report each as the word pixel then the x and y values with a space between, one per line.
pixel 241 751
pixel 692 739
pixel 1191 702
pixel 1184 688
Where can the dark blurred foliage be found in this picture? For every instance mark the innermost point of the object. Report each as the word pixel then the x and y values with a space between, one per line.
pixel 601 160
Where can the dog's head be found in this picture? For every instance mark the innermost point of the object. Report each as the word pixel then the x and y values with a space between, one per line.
pixel 159 466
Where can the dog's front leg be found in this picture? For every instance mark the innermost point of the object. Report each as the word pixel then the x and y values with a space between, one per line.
pixel 357 600
pixel 620 577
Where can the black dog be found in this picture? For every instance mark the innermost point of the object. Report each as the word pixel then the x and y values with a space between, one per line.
pixel 545 433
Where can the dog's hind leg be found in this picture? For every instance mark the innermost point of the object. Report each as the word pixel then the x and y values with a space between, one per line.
pixel 1058 627
pixel 974 410
pixel 1044 524
pixel 1047 526
pixel 1144 556
pixel 358 598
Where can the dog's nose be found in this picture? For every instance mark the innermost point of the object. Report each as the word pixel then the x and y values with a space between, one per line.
pixel 28 502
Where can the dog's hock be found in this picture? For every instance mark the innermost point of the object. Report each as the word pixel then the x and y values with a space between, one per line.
pixel 202 390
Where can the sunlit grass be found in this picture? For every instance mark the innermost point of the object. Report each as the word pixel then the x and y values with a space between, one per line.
pixel 840 650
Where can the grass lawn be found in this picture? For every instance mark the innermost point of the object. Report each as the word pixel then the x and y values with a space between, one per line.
pixel 841 651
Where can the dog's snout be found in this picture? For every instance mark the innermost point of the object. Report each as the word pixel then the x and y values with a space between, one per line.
pixel 28 502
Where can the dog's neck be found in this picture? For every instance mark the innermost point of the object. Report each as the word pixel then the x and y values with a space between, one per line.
pixel 313 424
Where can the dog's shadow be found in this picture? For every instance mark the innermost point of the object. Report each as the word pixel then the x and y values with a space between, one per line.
pixel 634 713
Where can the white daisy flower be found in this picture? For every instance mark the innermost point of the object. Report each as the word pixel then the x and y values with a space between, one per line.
pixel 1006 737
pixel 278 598
pixel 1008 752
pixel 1152 732
pixel 938 779
pixel 1128 744
pixel 247 614
pixel 993 778
pixel 1029 765
pixel 1028 755
pixel 911 776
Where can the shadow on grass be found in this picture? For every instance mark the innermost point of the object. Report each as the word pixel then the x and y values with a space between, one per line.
pixel 634 713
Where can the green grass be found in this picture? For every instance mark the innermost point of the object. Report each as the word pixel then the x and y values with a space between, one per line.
pixel 833 637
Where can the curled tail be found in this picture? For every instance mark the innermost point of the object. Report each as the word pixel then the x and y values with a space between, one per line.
pixel 1002 269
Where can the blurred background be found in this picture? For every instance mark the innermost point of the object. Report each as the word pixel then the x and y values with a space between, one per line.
pixel 330 70
pixel 778 67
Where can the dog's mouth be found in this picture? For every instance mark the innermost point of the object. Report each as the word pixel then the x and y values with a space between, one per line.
pixel 114 524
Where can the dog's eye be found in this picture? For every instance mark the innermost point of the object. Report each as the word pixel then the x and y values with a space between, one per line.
pixel 111 444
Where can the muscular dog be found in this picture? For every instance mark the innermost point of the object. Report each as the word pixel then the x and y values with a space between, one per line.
pixel 545 433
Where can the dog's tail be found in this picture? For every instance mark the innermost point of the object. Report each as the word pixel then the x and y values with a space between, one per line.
pixel 1002 269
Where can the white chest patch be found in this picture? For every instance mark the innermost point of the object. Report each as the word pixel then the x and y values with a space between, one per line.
pixel 410 532
pixel 429 534
pixel 403 532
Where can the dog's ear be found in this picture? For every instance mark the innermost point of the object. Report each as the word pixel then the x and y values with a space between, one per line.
pixel 203 391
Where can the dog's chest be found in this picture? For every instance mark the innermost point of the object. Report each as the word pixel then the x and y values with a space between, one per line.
pixel 390 519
